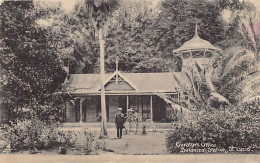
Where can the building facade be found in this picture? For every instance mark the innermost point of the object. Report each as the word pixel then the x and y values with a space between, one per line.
pixel 139 91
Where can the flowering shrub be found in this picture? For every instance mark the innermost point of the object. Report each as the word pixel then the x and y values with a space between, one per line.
pixel 225 127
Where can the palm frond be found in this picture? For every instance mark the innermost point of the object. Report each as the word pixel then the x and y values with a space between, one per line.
pixel 190 77
pixel 241 76
pixel 100 9
pixel 251 85
pixel 214 96
pixel 200 71
pixel 238 70
pixel 174 103
pixel 247 87
pixel 208 77
pixel 249 100
pixel 230 63
pixel 178 81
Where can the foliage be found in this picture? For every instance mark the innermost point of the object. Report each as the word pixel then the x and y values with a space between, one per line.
pixel 132 120
pixel 67 139
pixel 32 134
pixel 90 139
pixel 176 23
pixel 225 127
pixel 83 141
pixel 241 24
pixel 144 132
pixel 230 78
pixel 237 75
pixel 30 66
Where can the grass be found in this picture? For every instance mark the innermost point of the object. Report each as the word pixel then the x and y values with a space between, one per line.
pixel 137 144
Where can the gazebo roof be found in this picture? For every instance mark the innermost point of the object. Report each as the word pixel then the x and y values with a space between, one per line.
pixel 196 44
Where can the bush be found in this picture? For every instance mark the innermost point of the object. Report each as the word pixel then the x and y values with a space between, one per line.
pixel 144 132
pixel 89 139
pixel 35 135
pixel 66 139
pixel 225 127
pixel 32 134
pixel 86 142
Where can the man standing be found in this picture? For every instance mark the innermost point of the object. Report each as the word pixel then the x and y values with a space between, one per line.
pixel 119 121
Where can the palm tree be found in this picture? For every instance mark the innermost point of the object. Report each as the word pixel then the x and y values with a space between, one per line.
pixel 238 76
pixel 230 78
pixel 99 11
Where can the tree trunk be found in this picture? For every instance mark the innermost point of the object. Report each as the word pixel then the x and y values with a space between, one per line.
pixel 103 133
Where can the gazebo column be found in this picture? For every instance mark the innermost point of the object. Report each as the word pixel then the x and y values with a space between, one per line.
pixel 80 110
pixel 151 107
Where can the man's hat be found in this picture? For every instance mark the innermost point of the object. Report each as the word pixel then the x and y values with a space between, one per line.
pixel 119 109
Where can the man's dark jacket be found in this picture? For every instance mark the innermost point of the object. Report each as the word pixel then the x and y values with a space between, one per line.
pixel 119 120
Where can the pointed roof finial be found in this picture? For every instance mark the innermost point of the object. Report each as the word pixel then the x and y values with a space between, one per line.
pixel 196 30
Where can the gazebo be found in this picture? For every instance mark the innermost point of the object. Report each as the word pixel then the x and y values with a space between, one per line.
pixel 196 50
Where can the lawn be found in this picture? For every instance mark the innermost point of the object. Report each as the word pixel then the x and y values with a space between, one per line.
pixel 153 143
pixel 137 144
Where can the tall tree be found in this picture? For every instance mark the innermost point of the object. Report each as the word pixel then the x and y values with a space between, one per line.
pixel 31 69
pixel 99 11
pixel 177 20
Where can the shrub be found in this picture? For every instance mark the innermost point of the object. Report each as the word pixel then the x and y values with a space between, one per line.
pixel 35 135
pixel 32 134
pixel 89 139
pixel 224 127
pixel 86 142
pixel 67 140
pixel 144 129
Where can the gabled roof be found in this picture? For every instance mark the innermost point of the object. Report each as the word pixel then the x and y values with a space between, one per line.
pixel 121 75
pixel 141 82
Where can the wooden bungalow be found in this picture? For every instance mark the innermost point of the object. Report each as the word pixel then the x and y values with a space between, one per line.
pixel 138 91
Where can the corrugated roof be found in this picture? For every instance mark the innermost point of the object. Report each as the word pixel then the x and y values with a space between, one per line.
pixel 159 82
pixel 142 82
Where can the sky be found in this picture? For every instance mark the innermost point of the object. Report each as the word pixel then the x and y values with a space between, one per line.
pixel 68 5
